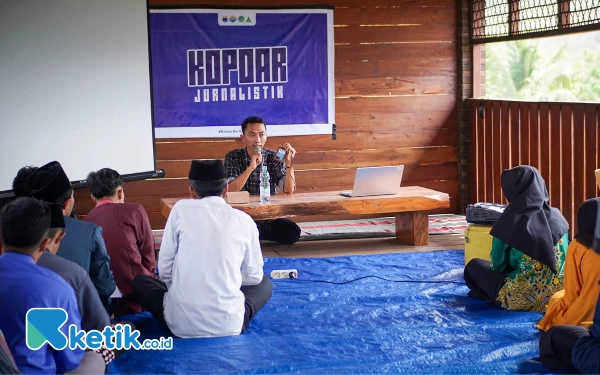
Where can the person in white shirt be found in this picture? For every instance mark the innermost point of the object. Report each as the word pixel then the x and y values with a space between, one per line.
pixel 210 263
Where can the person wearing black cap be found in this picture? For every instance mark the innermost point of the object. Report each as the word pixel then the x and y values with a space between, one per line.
pixel 83 243
pixel 530 241
pixel 93 314
pixel 210 263
pixel 20 185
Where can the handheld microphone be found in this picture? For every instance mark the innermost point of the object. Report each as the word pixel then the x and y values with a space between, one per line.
pixel 258 150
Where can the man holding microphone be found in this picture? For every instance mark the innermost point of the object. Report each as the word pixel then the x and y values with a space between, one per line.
pixel 243 167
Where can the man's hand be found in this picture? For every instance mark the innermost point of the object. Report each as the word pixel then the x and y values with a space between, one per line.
pixel 255 161
pixel 290 152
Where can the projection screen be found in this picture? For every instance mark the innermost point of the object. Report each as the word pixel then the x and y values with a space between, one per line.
pixel 75 87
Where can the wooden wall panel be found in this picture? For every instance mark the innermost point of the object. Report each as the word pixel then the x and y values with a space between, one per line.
pixel 496 161
pixel 515 134
pixel 417 66
pixel 389 51
pixel 534 135
pixel 555 157
pixel 393 34
pixel 346 140
pixel 505 136
pixel 566 121
pixel 396 16
pixel 488 158
pixel 482 163
pixel 579 151
pixel 545 146
pixel 395 86
pixel 559 139
pixel 524 133
pixel 477 154
pixel 396 103
pixel 591 143
pixel 347 158
pixel 343 178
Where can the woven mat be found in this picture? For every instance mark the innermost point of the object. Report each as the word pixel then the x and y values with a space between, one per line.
pixel 365 228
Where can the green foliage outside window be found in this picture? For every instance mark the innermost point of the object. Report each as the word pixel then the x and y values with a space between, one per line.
pixel 565 69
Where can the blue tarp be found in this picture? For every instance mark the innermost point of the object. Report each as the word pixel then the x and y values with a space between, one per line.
pixel 367 326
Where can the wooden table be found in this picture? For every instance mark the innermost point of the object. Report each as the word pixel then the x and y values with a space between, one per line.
pixel 410 206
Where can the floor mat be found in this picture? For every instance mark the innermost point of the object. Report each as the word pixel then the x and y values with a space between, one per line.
pixel 376 227
pixel 369 326
pixel 365 228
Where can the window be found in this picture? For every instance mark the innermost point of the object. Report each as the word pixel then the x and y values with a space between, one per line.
pixel 501 20
pixel 561 68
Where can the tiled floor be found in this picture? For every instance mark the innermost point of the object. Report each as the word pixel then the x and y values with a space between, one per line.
pixel 364 246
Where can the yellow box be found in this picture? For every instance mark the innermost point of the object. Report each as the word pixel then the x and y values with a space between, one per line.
pixel 478 242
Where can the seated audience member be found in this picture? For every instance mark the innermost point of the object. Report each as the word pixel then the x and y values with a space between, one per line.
pixel 83 243
pixel 21 185
pixel 210 264
pixel 24 235
pixel 243 168
pixel 529 243
pixel 93 313
pixel 127 233
pixel 575 304
pixel 7 362
pixel 573 347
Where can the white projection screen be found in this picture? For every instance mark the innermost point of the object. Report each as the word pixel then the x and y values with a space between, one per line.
pixel 75 87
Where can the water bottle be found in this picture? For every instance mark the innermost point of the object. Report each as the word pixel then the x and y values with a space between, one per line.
pixel 265 186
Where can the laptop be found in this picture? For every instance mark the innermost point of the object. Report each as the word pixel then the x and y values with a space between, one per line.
pixel 376 181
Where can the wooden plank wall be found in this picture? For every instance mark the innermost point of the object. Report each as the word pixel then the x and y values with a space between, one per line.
pixel 559 139
pixel 395 85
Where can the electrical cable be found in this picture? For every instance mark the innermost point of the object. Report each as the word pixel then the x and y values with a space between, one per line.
pixel 381 278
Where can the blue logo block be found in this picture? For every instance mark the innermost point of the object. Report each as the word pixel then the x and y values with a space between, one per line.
pixel 42 325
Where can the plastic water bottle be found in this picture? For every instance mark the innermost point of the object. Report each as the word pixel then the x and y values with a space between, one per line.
pixel 265 186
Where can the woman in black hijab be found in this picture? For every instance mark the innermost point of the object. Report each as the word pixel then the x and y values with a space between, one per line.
pixel 530 240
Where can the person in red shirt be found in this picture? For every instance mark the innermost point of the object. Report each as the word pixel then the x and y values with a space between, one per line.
pixel 127 233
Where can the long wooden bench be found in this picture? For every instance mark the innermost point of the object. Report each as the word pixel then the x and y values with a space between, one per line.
pixel 410 206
